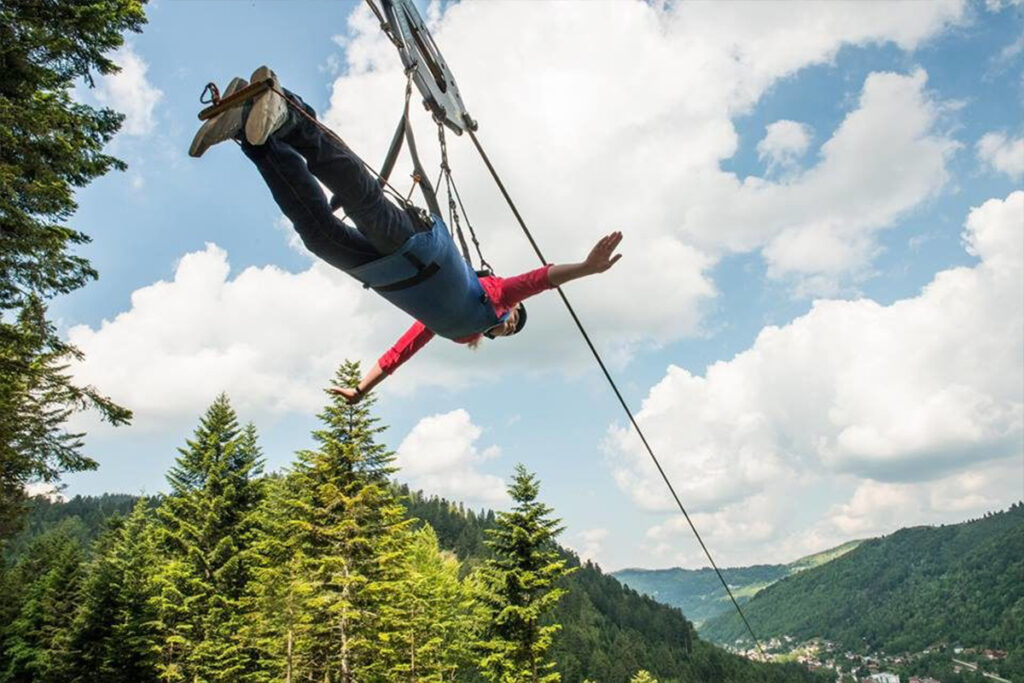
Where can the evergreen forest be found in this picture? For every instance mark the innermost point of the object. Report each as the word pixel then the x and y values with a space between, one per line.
pixel 328 571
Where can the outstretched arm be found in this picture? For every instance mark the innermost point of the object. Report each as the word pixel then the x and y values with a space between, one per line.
pixel 371 379
pixel 412 341
pixel 601 258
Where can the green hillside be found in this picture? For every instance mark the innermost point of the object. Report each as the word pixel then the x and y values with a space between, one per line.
pixel 698 592
pixel 958 585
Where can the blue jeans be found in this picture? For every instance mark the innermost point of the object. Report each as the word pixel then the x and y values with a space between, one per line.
pixel 293 159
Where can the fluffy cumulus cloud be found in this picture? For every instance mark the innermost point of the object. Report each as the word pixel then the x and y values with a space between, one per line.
pixel 130 92
pixel 587 543
pixel 891 396
pixel 1002 154
pixel 784 143
pixel 798 517
pixel 619 115
pixel 440 456
pixel 271 339
pixel 884 159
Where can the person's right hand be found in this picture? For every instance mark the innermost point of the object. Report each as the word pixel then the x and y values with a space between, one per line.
pixel 351 395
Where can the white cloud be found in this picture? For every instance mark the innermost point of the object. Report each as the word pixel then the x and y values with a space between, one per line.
pixel 440 456
pixel 784 143
pixel 882 161
pixel 588 543
pixel 798 517
pixel 283 225
pixel 619 115
pixel 1000 5
pixel 49 491
pixel 926 387
pixel 130 92
pixel 877 507
pixel 1002 154
pixel 271 339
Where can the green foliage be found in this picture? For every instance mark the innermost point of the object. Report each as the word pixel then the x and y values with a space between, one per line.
pixel 438 615
pixel 332 563
pixel 458 529
pixel 956 584
pixel 94 513
pixel 520 588
pixel 49 145
pixel 42 590
pixel 643 676
pixel 321 574
pixel 205 534
pixel 112 634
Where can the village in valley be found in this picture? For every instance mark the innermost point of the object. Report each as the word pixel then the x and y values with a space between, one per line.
pixel 820 654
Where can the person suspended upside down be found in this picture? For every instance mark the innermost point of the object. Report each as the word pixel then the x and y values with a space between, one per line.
pixel 404 254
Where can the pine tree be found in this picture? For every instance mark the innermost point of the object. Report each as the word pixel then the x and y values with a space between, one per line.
pixel 342 562
pixel 438 613
pixel 49 145
pixel 35 644
pixel 112 635
pixel 206 532
pixel 520 588
pixel 277 623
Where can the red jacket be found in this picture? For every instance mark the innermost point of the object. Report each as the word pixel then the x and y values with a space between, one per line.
pixel 504 293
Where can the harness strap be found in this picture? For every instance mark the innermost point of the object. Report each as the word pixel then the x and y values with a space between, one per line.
pixel 396 142
pixel 423 275
pixel 425 185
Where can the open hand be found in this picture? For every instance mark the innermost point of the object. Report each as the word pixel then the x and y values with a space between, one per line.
pixel 603 256
pixel 351 395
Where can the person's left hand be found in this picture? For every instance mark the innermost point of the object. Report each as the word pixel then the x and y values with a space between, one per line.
pixel 602 256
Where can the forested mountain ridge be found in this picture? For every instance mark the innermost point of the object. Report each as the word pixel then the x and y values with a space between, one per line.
pixel 698 592
pixel 958 585
pixel 608 631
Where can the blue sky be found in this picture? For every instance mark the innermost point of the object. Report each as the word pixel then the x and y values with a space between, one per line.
pixel 818 316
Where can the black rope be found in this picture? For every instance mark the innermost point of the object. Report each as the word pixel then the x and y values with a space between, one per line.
pixel 615 388
pixel 454 189
pixel 384 25
pixel 453 214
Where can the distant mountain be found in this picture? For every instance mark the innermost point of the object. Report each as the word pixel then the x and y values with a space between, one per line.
pixel 958 585
pixel 699 593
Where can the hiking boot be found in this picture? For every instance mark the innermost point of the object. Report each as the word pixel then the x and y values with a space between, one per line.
pixel 269 110
pixel 224 126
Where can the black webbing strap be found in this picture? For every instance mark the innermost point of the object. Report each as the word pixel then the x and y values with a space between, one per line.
pixel 404 132
pixel 396 147
pixel 425 185
pixel 396 142
pixel 424 271
pixel 425 274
